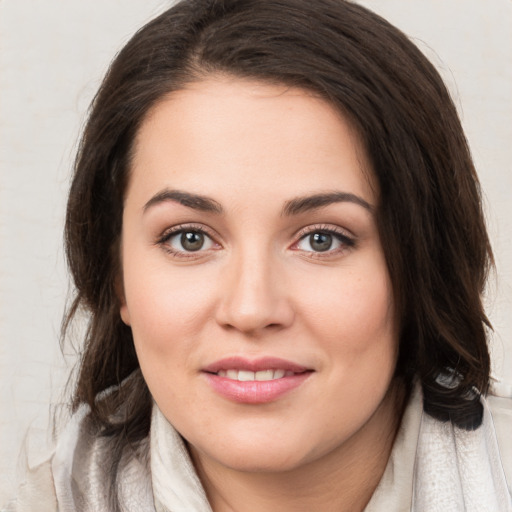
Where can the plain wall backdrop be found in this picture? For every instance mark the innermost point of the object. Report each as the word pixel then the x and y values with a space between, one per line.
pixel 53 54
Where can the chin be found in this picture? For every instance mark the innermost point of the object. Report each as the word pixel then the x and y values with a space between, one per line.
pixel 267 452
pixel 257 460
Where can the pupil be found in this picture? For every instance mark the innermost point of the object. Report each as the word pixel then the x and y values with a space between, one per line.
pixel 192 241
pixel 320 241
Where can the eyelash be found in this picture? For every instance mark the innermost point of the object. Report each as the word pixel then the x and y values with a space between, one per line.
pixel 166 236
pixel 346 241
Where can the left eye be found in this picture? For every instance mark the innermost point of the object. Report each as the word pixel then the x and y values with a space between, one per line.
pixel 320 241
pixel 189 241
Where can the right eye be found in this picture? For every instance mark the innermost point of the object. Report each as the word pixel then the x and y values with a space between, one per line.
pixel 190 241
pixel 183 241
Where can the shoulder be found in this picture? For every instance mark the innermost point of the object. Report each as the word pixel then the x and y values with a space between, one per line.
pixel 40 483
pixel 80 470
pixel 93 469
pixel 499 401
pixel 36 492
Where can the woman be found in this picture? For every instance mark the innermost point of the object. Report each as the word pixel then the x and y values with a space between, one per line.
pixel 276 228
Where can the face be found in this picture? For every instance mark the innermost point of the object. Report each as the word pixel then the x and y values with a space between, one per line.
pixel 253 274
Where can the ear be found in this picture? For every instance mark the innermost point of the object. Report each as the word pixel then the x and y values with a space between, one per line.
pixel 123 307
pixel 125 314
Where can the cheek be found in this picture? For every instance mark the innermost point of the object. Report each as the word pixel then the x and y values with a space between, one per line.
pixel 354 310
pixel 167 316
pixel 357 329
pixel 166 309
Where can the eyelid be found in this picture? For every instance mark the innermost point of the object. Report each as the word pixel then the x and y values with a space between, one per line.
pixel 192 226
pixel 348 239
pixel 325 228
pixel 343 235
pixel 168 233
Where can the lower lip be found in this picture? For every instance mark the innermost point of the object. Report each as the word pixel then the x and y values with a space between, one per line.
pixel 255 392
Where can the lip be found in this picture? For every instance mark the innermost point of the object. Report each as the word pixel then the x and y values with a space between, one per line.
pixel 255 392
pixel 254 365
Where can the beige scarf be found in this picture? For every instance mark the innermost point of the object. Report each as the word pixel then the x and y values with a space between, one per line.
pixel 434 467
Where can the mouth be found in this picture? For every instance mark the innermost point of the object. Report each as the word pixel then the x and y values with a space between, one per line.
pixel 255 381
pixel 260 376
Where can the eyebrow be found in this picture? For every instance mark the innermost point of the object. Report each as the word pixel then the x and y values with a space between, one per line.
pixel 292 207
pixel 316 201
pixel 194 201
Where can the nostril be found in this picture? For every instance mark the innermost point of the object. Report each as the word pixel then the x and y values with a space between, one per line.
pixel 253 306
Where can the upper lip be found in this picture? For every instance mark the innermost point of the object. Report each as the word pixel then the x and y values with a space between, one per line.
pixel 254 365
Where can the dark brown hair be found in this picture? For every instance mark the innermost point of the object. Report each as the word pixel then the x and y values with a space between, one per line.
pixel 429 217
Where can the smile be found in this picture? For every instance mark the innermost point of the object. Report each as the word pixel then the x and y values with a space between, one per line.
pixel 259 381
pixel 261 375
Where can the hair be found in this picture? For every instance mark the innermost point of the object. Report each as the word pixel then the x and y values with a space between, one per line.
pixel 429 215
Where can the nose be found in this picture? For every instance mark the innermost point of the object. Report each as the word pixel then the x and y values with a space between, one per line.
pixel 254 296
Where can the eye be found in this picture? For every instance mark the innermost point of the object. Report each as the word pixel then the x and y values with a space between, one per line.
pixel 323 241
pixel 189 241
pixel 180 241
pixel 318 242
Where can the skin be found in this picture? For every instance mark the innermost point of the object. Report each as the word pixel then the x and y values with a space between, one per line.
pixel 257 288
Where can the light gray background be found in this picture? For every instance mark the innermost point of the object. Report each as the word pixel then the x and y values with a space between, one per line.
pixel 53 54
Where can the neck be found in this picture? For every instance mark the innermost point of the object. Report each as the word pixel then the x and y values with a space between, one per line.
pixel 343 480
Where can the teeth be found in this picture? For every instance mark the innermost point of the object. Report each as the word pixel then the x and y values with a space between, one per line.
pixel 244 375
pixel 265 375
pixel 262 375
pixel 232 374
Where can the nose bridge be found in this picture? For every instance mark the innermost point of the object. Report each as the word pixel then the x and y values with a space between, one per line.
pixel 254 297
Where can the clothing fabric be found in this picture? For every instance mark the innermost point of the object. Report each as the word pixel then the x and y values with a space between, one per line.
pixel 433 467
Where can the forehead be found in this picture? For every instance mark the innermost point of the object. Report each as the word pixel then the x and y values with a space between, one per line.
pixel 228 133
